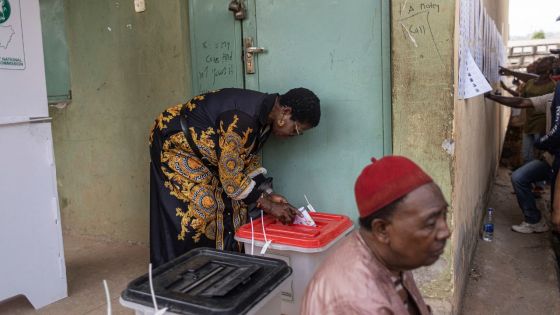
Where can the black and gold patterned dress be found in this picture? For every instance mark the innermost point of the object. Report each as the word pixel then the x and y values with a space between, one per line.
pixel 198 198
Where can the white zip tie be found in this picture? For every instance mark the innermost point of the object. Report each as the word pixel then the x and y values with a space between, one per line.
pixel 309 206
pixel 156 311
pixel 266 241
pixel 252 236
pixel 107 296
pixel 262 222
pixel 152 287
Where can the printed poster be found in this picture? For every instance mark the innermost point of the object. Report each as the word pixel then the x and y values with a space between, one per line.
pixel 12 52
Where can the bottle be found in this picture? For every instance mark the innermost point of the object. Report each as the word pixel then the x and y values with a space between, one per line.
pixel 488 228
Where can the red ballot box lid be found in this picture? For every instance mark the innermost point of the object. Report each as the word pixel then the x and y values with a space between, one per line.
pixel 329 228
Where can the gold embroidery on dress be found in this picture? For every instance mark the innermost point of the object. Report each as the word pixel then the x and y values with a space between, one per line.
pixel 184 223
pixel 191 182
pixel 239 213
pixel 188 179
pixel 164 118
pixel 167 115
pixel 181 167
pixel 231 164
pixel 205 143
pixel 190 105
pixel 201 215
pixel 219 219
pixel 252 163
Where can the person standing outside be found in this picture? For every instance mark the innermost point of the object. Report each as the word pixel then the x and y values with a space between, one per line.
pixel 545 168
pixel 535 121
pixel 206 173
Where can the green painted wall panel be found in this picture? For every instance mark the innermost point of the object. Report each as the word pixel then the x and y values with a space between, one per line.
pixel 126 68
pixel 336 49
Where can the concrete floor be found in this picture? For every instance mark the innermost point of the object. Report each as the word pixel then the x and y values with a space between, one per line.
pixel 516 273
pixel 88 262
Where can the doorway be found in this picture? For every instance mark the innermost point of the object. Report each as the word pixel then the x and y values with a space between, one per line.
pixel 338 49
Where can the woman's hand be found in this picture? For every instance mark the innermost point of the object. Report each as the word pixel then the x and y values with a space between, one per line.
pixel 277 198
pixel 278 206
pixel 283 212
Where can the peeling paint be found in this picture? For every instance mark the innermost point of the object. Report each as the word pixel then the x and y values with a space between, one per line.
pixel 448 146
pixel 60 105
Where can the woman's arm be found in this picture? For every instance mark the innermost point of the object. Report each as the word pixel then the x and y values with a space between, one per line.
pixel 236 137
pixel 239 170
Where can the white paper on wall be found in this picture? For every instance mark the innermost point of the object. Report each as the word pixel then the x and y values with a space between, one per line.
pixel 464 35
pixel 475 83
pixel 480 44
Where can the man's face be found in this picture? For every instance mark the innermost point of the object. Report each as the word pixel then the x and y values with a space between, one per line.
pixel 418 228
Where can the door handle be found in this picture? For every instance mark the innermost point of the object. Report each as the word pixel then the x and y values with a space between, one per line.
pixel 255 50
pixel 250 50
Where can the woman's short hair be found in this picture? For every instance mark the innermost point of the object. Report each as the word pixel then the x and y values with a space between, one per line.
pixel 305 105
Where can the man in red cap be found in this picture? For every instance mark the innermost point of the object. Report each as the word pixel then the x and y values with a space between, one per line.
pixel 402 227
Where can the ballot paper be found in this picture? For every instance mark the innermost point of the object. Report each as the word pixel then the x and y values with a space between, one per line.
pixel 481 50
pixel 305 218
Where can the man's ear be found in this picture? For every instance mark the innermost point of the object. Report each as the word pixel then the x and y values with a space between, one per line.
pixel 379 230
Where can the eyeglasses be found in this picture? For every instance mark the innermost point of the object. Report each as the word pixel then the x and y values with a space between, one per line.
pixel 297 129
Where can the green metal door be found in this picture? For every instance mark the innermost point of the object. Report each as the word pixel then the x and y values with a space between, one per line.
pixel 340 50
pixel 215 46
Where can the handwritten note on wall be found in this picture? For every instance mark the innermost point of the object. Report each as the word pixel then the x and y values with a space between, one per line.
pixel 415 22
pixel 216 65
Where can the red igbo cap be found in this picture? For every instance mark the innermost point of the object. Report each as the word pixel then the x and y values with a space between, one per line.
pixel 385 181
